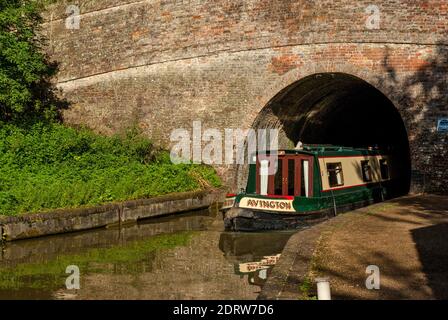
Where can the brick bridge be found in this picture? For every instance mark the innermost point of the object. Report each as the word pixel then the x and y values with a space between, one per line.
pixel 321 71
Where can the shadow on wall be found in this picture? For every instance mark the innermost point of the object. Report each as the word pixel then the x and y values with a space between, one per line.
pixel 423 97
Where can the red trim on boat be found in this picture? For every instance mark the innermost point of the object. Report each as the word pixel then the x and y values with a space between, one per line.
pixel 231 195
pixel 360 156
pixel 280 197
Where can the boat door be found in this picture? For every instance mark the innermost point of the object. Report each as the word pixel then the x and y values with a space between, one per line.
pixel 294 177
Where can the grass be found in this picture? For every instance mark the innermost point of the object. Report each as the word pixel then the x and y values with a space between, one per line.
pixel 307 290
pixel 49 166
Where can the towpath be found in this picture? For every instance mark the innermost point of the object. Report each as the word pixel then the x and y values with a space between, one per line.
pixel 407 238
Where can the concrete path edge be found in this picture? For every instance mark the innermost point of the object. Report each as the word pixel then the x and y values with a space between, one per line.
pixel 69 220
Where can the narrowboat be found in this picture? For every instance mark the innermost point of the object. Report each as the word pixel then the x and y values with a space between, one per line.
pixel 309 183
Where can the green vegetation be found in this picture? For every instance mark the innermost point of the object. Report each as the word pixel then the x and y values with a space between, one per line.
pixel 45 165
pixel 25 91
pixel 307 290
pixel 48 166
pixel 129 258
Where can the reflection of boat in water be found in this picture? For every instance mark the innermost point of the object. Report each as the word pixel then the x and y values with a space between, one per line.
pixel 259 278
pixel 264 263
pixel 253 254
pixel 257 271
pixel 253 245
pixel 313 182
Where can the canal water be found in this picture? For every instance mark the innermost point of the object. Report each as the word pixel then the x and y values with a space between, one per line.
pixel 187 256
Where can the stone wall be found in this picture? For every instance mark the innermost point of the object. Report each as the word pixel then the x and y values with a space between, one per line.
pixel 164 64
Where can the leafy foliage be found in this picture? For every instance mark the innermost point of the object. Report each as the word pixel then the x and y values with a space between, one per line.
pixel 48 166
pixel 25 91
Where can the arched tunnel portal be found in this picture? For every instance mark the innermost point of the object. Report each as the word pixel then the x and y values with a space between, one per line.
pixel 338 109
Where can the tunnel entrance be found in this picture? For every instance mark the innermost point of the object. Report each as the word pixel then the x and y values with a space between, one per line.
pixel 339 109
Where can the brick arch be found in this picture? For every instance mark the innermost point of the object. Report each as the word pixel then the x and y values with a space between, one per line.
pixel 375 79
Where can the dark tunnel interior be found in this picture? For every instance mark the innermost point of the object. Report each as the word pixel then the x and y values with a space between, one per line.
pixel 343 110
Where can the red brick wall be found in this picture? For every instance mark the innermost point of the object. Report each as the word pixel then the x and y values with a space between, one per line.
pixel 164 64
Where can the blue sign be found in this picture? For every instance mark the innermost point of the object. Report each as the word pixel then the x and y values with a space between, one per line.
pixel 442 125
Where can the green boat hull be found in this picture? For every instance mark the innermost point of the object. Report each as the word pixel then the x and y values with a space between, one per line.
pixel 308 211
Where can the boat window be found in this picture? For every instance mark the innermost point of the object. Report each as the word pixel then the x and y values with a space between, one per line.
pixel 335 175
pixel 366 171
pixel 384 167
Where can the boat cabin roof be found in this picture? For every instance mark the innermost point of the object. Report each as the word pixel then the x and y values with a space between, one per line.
pixel 329 150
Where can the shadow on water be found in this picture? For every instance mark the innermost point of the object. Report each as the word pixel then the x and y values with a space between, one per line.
pixel 186 256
